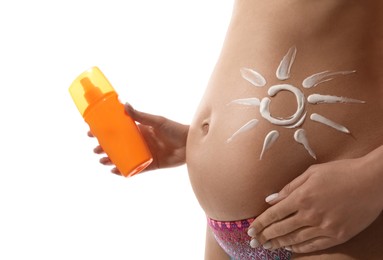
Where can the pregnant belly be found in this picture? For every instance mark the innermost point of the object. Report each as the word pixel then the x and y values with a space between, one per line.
pixel 236 158
pixel 247 143
pixel 228 175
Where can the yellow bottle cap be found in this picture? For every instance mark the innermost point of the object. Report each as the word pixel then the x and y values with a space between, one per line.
pixel 88 88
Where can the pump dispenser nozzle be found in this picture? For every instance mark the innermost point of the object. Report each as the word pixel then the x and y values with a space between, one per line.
pixel 91 92
pixel 89 88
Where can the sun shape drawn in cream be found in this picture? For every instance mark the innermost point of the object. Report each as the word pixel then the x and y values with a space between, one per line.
pixel 297 119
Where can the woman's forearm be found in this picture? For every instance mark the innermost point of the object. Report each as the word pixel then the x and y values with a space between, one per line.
pixel 373 162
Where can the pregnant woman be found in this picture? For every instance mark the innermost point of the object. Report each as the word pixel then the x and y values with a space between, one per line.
pixel 298 83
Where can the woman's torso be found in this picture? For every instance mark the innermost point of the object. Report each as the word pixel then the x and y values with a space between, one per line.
pixel 228 176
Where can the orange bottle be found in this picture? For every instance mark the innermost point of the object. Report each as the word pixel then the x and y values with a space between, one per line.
pixel 116 132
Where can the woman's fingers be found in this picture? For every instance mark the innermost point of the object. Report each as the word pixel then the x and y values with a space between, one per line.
pixel 104 160
pixel 312 245
pixel 287 229
pixel 288 189
pixel 297 237
pixel 116 171
pixel 98 150
pixel 273 214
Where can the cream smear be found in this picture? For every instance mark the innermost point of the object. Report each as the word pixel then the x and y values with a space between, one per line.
pixel 321 119
pixel 300 137
pixel 270 139
pixel 318 99
pixel 249 125
pixel 299 117
pixel 283 70
pixel 253 77
pixel 324 76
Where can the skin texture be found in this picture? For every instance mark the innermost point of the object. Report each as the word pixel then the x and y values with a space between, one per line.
pixel 329 204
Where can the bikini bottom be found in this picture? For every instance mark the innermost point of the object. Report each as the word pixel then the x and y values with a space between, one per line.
pixel 233 238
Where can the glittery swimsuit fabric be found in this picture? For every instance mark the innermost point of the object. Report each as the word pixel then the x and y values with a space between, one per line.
pixel 232 237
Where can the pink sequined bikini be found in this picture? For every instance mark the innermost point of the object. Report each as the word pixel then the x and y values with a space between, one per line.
pixel 232 237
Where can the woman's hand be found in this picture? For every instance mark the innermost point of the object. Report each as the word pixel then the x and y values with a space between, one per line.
pixel 166 140
pixel 327 205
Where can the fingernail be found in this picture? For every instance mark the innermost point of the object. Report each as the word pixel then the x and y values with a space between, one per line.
pixel 251 232
pixel 254 243
pixel 271 197
pixel 288 248
pixel 267 245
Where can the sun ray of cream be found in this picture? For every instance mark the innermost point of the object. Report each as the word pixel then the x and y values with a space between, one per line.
pixel 300 137
pixel 283 70
pixel 319 99
pixel 247 101
pixel 321 119
pixel 246 127
pixel 324 76
pixel 270 139
pixel 253 77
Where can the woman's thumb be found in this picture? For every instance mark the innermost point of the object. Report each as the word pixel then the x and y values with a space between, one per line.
pixel 144 118
pixel 287 190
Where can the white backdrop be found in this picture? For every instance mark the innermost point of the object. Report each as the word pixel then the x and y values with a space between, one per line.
pixel 56 200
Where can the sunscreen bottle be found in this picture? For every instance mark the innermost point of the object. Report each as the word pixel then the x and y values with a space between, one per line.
pixel 115 130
